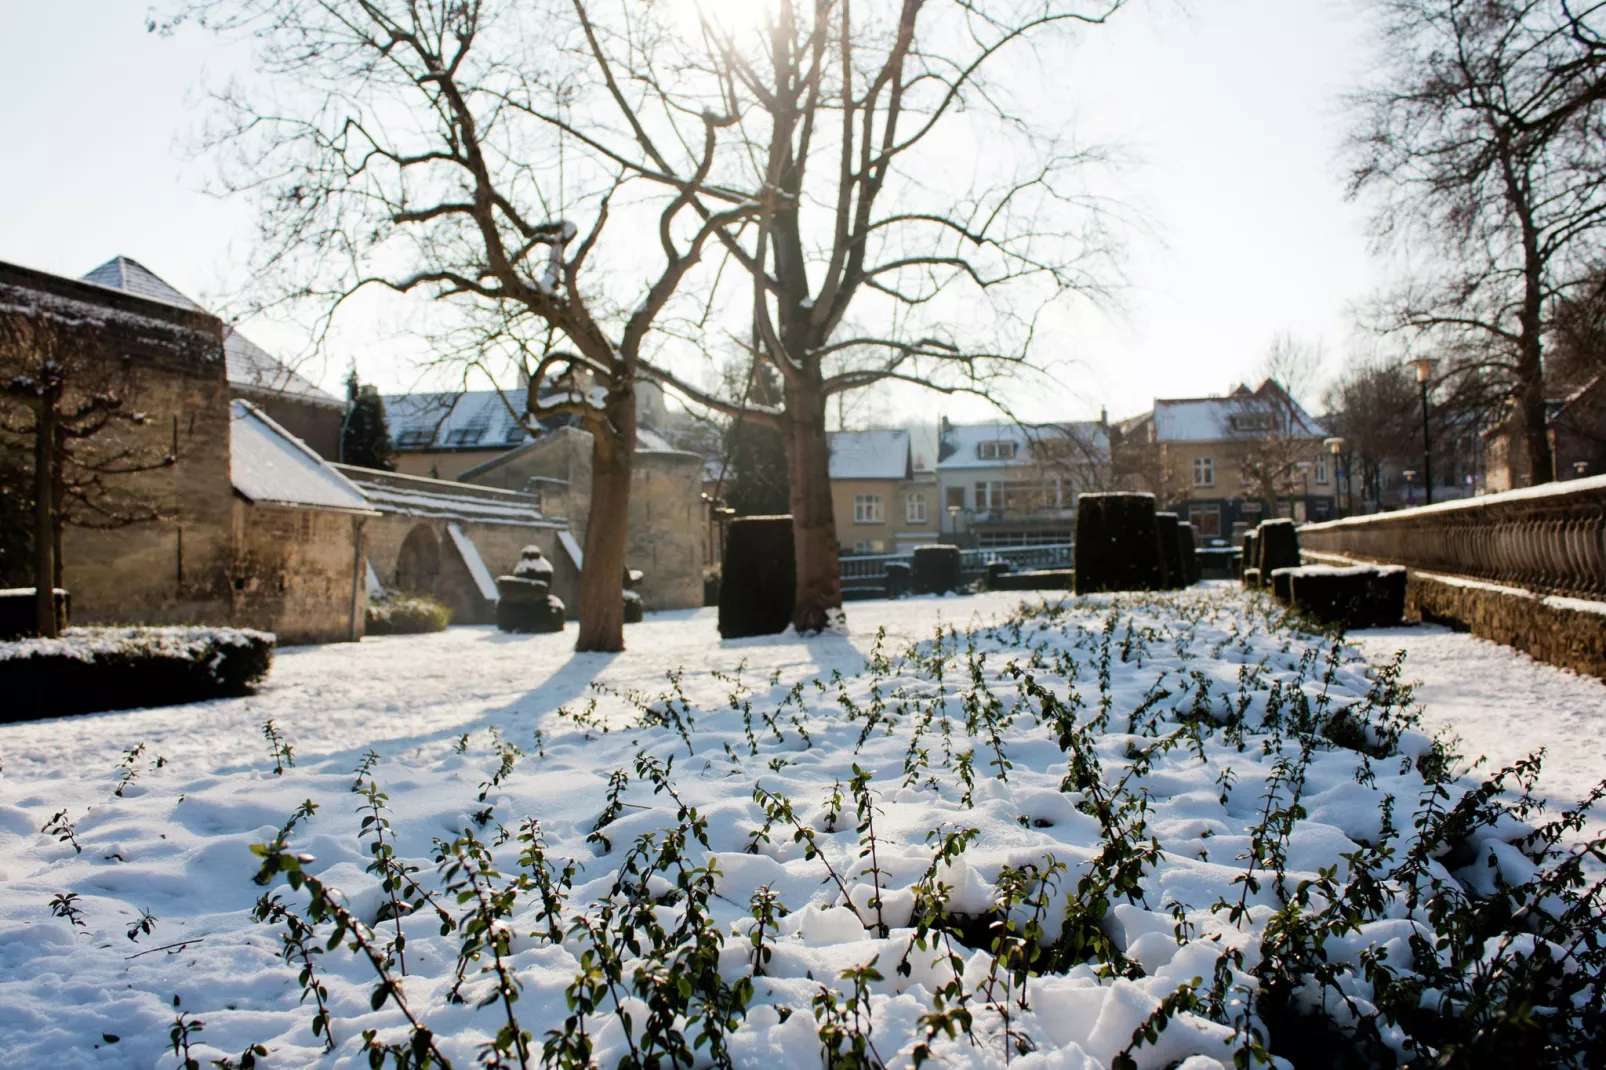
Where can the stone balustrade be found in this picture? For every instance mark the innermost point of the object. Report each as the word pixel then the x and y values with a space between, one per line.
pixel 1549 539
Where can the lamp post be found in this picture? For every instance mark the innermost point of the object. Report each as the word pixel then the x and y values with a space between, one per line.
pixel 1410 493
pixel 1335 446
pixel 953 522
pixel 1424 373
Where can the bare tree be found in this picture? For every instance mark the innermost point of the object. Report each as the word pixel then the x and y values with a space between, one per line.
pixel 407 146
pixel 1272 432
pixel 1484 139
pixel 1372 406
pixel 66 397
pixel 868 262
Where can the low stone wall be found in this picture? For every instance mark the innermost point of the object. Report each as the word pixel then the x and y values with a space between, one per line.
pixel 1568 632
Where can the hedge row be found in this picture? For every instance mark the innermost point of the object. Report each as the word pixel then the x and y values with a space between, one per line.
pixel 89 670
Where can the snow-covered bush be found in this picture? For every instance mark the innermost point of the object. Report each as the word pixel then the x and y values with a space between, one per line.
pixel 93 669
pixel 1140 832
pixel 406 614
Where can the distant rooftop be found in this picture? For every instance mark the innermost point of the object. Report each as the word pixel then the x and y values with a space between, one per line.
pixel 251 368
pixel 870 454
pixel 1209 419
pixel 471 420
pixel 1005 445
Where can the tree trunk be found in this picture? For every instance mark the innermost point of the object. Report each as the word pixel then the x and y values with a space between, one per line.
pixel 1530 364
pixel 817 604
pixel 602 605
pixel 44 528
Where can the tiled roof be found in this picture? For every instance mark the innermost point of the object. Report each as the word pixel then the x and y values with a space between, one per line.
pixel 1208 419
pixel 270 466
pixel 130 276
pixel 870 454
pixel 963 444
pixel 468 419
pixel 250 367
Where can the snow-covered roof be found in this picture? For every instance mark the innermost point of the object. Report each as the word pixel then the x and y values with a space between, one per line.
pixel 1211 419
pixel 270 466
pixel 870 454
pixel 250 367
pixel 393 492
pixel 970 445
pixel 463 419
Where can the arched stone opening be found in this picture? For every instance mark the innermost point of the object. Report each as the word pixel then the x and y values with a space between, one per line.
pixel 418 565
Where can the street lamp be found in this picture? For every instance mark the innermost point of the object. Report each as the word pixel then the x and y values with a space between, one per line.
pixel 1582 468
pixel 953 522
pixel 1335 446
pixel 1410 494
pixel 1424 373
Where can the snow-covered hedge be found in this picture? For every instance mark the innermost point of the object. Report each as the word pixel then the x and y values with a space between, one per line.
pixel 406 614
pixel 93 669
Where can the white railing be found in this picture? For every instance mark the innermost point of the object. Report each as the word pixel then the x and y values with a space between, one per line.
pixel 867 569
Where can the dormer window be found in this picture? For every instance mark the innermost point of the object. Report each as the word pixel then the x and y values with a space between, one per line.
pixel 464 436
pixel 996 450
pixel 414 437
pixel 1250 421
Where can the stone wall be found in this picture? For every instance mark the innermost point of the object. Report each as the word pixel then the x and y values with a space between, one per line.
pixel 298 573
pixel 166 362
pixel 665 534
pixel 1562 631
pixel 417 553
pixel 1569 632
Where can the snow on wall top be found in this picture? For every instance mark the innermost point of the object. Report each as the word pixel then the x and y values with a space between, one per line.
pixel 250 367
pixel 476 564
pixel 393 492
pixel 1564 489
pixel 870 454
pixel 269 465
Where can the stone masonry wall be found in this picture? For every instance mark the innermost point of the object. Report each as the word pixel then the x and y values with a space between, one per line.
pixel 296 573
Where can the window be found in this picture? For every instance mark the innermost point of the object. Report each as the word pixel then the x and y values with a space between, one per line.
pixel 1321 469
pixel 997 450
pixel 914 509
pixel 1250 421
pixel 414 437
pixel 1204 471
pixel 956 497
pixel 464 436
pixel 867 509
pixel 515 433
pixel 1206 520
pixel 989 496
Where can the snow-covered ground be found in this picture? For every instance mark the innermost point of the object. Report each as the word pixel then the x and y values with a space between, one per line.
pixel 971 735
pixel 1503 704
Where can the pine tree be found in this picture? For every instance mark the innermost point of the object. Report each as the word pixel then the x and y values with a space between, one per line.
pixel 366 440
pixel 756 480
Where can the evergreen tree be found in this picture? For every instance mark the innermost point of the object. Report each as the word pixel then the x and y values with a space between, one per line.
pixel 366 439
pixel 756 482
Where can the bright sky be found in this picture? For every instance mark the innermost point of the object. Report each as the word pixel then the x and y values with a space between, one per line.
pixel 1229 107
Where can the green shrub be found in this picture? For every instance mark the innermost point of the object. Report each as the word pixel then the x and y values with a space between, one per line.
pixel 406 614
pixel 89 670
